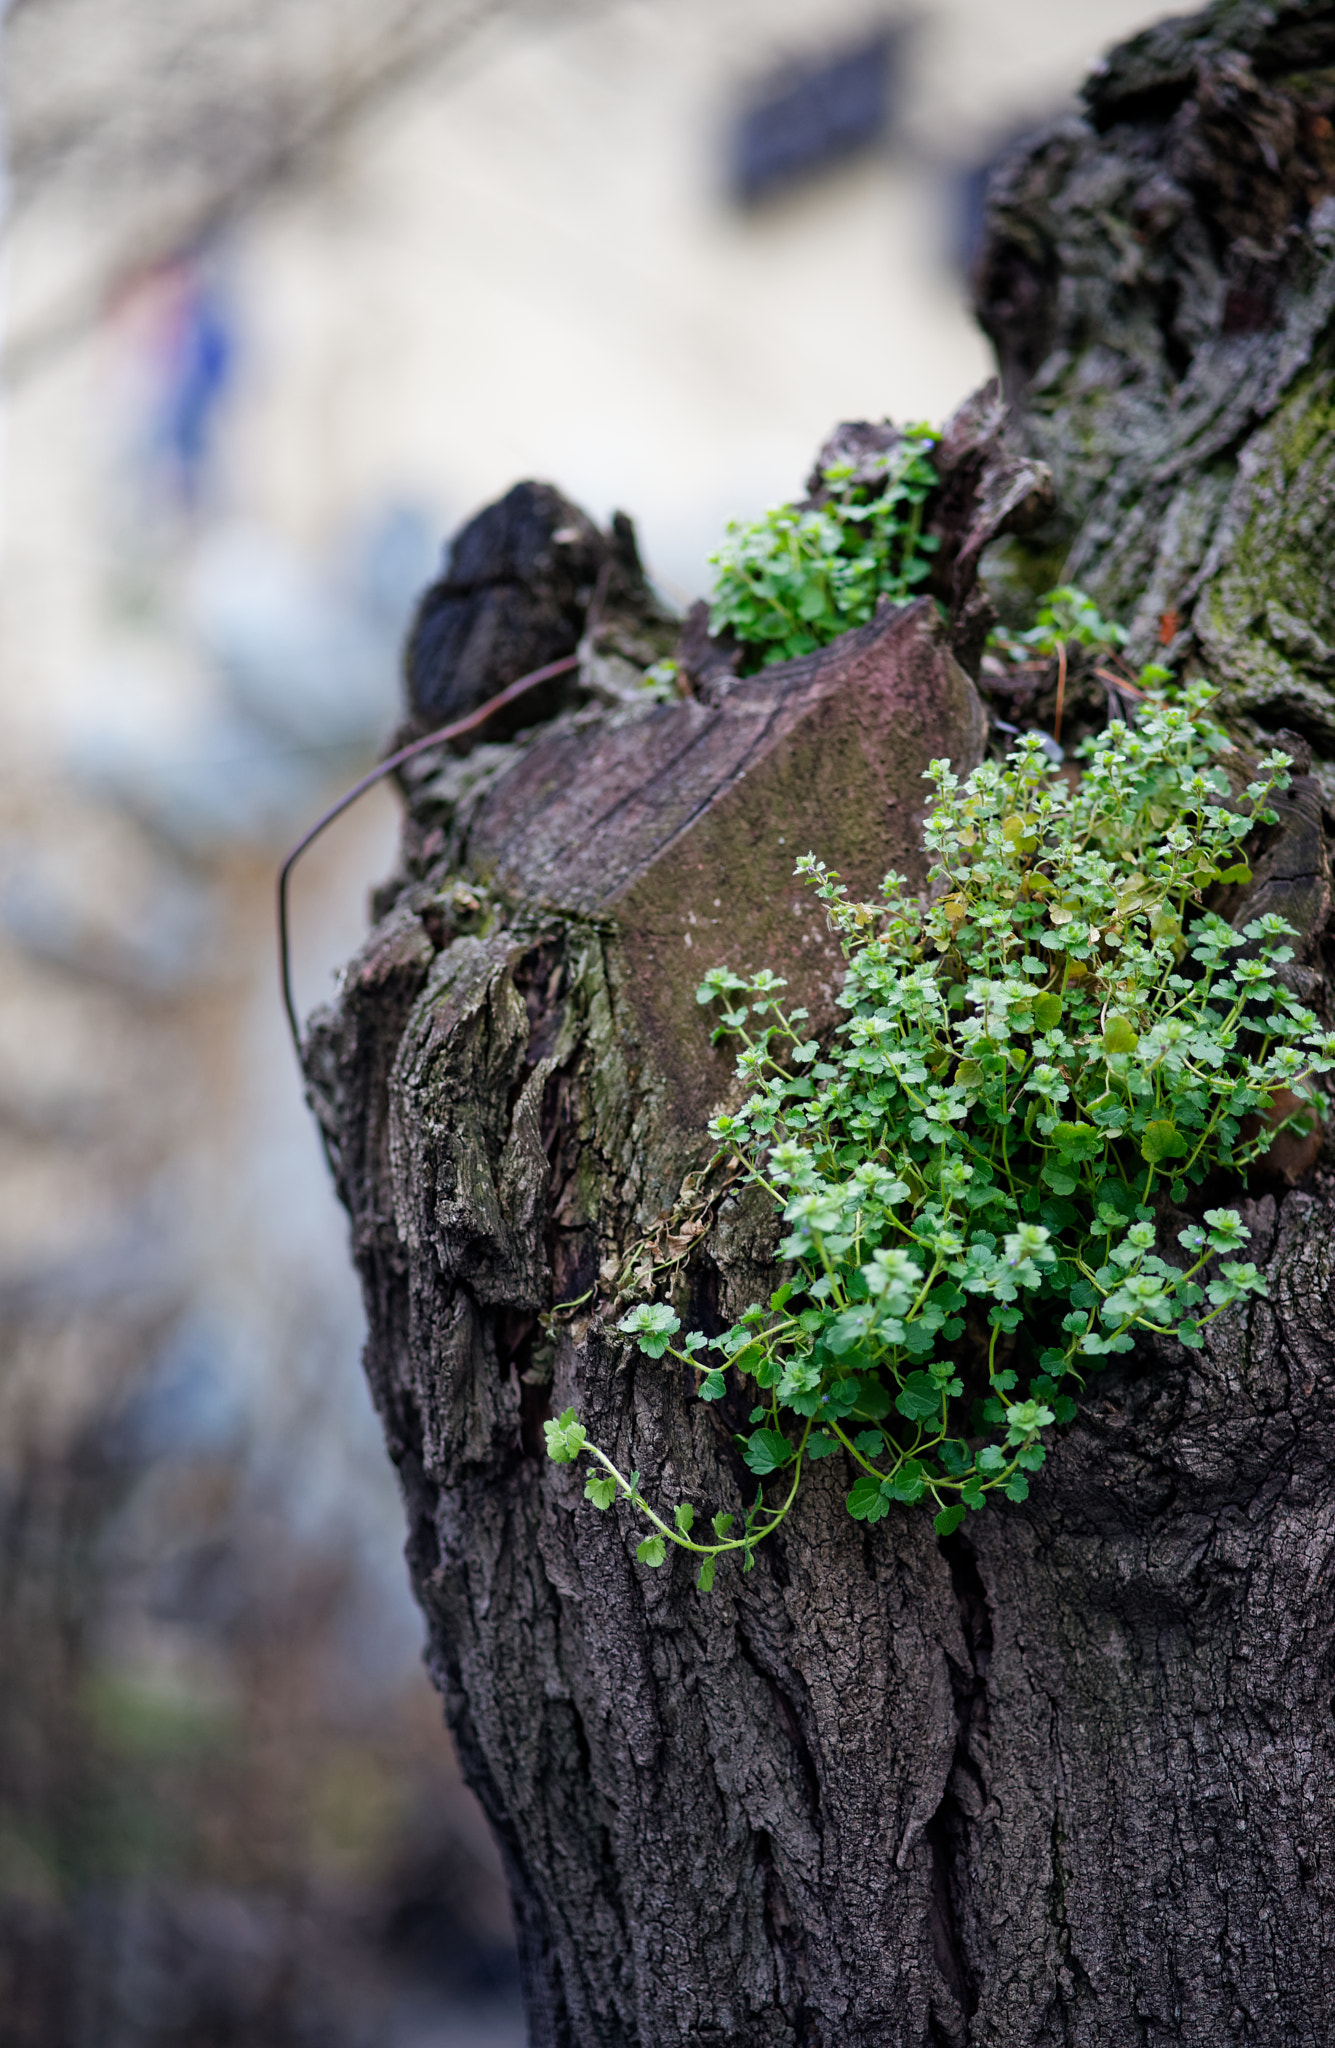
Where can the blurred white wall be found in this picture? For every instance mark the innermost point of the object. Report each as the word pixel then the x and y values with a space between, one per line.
pixel 529 268
pixel 523 262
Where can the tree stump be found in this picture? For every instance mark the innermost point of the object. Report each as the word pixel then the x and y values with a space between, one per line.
pixel 1065 1776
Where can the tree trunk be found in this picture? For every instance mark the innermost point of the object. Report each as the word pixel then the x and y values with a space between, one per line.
pixel 1065 1776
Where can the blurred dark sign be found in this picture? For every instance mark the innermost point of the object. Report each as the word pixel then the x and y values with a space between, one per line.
pixel 811 115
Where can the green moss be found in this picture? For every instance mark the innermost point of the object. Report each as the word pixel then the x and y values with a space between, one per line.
pixel 1266 621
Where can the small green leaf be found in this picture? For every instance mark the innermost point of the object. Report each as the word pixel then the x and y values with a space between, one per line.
pixel 866 1502
pixel 1162 1140
pixel 767 1451
pixel 705 1580
pixel 654 1324
pixel 721 1525
pixel 684 1517
pixel 652 1551
pixel 1119 1036
pixel 1048 1012
pixel 1226 1230
pixel 600 1489
pixel 565 1438
pixel 908 1483
pixel 948 1521
pixel 919 1400
pixel 712 1386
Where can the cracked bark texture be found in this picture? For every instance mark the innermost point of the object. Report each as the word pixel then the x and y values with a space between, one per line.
pixel 1157 276
pixel 1065 1778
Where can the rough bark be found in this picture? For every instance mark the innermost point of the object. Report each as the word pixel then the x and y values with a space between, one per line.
pixel 1158 279
pixel 1067 1776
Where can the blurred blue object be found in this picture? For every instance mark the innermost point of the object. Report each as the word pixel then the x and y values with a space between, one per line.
pixel 196 364
pixel 811 116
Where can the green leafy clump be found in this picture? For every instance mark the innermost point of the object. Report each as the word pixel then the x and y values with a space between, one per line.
pixel 794 579
pixel 1066 617
pixel 1038 1057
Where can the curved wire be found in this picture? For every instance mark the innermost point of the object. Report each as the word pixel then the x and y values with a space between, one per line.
pixel 377 774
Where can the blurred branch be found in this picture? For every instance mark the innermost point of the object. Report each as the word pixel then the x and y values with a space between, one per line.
pixel 242 99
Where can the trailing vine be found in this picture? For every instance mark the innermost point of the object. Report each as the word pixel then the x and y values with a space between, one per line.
pixel 983 1174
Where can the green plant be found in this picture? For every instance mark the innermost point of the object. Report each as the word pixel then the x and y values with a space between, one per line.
pixel 1057 1038
pixel 795 578
pixel 1066 617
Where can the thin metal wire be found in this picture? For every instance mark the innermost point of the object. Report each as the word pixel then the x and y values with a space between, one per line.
pixel 377 774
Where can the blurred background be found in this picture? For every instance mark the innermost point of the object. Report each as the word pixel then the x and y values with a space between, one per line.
pixel 290 287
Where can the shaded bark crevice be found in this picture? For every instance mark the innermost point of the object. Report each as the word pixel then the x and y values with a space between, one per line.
pixel 787 1942
pixel 965 1796
pixel 788 1718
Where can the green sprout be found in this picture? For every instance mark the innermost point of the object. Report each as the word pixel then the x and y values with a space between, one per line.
pixel 794 579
